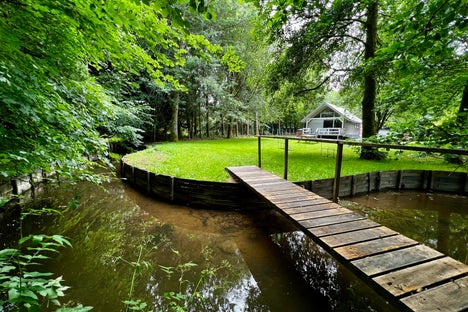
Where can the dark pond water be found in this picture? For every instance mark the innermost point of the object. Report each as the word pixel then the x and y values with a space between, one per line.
pixel 435 219
pixel 244 261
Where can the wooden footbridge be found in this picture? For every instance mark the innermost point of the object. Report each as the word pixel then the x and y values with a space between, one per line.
pixel 411 275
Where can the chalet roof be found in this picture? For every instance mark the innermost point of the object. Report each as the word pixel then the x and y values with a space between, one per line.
pixel 340 110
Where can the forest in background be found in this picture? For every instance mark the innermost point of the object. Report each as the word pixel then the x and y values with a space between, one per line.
pixel 78 75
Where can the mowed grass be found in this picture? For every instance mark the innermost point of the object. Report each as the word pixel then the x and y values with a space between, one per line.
pixel 207 160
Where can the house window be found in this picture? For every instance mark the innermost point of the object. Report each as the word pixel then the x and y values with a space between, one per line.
pixel 332 123
pixel 327 114
pixel 328 123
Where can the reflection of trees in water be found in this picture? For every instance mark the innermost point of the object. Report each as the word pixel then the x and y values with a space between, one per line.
pixel 316 266
pixel 231 289
pixel 342 290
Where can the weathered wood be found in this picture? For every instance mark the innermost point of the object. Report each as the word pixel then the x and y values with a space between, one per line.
pixel 397 259
pixel 259 148
pixel 311 201
pixel 420 276
pixel 304 199
pixel 378 145
pixel 343 227
pixel 357 236
pixel 286 158
pixel 301 199
pixel 325 221
pixel 450 296
pixel 365 249
pixel 320 213
pixel 273 187
pixel 304 209
pixel 336 180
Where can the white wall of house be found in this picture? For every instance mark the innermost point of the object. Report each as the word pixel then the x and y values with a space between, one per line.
pixel 313 124
pixel 353 130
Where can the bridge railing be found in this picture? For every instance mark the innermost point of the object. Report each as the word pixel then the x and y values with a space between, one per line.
pixel 339 153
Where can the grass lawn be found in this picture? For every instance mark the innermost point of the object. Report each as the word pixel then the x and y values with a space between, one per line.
pixel 206 160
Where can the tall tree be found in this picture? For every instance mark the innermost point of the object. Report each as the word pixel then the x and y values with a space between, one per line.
pixel 333 38
pixel 51 107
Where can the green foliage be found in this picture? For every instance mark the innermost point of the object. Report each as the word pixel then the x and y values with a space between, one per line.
pixel 232 61
pixel 27 288
pixel 24 286
pixel 52 108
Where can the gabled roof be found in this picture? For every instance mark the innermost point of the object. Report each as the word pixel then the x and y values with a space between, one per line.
pixel 340 110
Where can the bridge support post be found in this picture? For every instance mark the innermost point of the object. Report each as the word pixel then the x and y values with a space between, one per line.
pixel 286 150
pixel 259 152
pixel 336 181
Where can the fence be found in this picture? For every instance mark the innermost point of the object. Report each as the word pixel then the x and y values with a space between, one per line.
pixel 339 154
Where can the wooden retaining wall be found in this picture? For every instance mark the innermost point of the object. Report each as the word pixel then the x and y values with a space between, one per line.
pixel 232 196
pixel 417 180
pixel 202 194
pixel 25 185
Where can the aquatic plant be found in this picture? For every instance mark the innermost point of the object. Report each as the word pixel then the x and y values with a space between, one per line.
pixel 22 286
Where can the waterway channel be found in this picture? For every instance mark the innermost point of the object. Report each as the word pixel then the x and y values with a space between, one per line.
pixel 204 260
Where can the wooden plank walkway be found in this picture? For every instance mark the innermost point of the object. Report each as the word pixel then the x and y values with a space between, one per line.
pixel 411 275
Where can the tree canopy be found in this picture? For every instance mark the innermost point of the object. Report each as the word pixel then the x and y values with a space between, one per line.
pixel 52 102
pixel 77 75
pixel 404 57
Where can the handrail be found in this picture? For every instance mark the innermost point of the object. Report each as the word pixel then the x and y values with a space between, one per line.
pixel 339 154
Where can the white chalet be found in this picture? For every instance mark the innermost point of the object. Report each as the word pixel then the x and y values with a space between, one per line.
pixel 331 121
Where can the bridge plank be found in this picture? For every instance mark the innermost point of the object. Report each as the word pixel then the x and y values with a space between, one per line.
pixel 288 200
pixel 357 236
pixel 326 212
pixel 313 200
pixel 420 276
pixel 310 223
pixel 364 249
pixel 343 227
pixel 451 296
pixel 303 209
pixel 393 260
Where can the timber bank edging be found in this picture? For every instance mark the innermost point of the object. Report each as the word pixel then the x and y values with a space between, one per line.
pixel 232 195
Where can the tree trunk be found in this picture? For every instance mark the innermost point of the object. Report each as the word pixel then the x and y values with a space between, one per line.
pixel 222 125
pixel 370 84
pixel 462 116
pixel 173 131
pixel 229 128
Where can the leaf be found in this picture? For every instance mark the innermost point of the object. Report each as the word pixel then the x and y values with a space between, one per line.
pixel 78 308
pixel 167 269
pixel 7 268
pixel 61 240
pixel 8 253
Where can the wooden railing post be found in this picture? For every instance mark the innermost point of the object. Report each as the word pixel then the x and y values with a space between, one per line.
pixel 336 181
pixel 286 149
pixel 259 152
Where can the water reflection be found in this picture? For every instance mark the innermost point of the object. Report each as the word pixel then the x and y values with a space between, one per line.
pixel 244 261
pixel 435 219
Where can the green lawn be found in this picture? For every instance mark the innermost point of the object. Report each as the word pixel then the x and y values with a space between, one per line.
pixel 206 160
